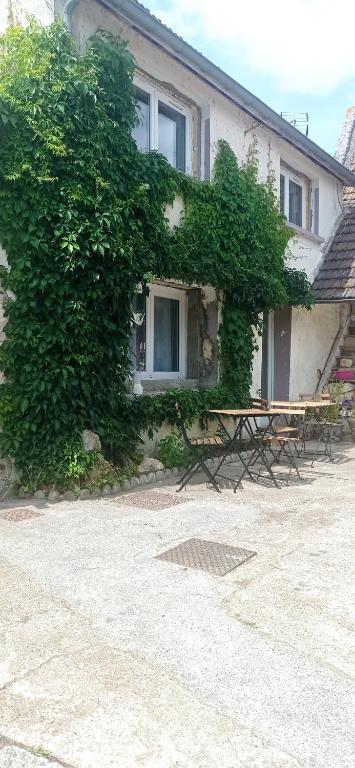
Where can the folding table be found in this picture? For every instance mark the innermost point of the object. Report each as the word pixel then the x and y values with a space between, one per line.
pixel 245 419
pixel 326 427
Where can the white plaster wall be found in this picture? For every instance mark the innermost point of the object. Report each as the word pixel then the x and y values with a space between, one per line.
pixel 310 332
pixel 304 252
pixel 19 11
pixel 312 336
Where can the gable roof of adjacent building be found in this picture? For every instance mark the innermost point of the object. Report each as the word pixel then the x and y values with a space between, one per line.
pixel 335 280
pixel 141 19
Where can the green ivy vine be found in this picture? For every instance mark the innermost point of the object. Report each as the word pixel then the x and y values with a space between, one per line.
pixel 82 223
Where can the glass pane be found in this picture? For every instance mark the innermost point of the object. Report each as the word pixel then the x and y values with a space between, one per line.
pixel 166 334
pixel 295 203
pixel 171 136
pixel 141 132
pixel 282 195
pixel 140 332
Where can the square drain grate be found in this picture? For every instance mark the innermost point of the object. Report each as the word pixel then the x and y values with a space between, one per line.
pixel 150 500
pixel 15 514
pixel 211 556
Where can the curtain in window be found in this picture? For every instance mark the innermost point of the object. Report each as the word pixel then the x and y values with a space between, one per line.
pixel 166 334
pixel 295 203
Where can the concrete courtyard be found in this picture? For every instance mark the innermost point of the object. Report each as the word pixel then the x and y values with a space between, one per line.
pixel 110 658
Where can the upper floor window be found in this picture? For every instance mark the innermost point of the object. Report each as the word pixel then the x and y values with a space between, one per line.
pixel 163 125
pixel 293 198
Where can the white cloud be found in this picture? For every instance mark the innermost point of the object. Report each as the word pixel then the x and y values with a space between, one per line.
pixel 306 46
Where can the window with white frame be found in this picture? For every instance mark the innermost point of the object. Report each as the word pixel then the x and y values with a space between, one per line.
pixel 293 197
pixel 164 124
pixel 160 336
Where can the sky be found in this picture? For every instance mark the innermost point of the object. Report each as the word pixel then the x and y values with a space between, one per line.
pixel 294 56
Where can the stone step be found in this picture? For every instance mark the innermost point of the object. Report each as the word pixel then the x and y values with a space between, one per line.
pixel 349 343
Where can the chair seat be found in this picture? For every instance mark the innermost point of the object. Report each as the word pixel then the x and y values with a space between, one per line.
pixel 214 440
pixel 282 430
pixel 275 439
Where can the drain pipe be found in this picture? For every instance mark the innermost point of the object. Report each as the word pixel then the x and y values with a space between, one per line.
pixel 68 11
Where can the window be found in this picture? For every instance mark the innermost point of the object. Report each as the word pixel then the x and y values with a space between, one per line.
pixel 293 198
pixel 171 136
pixel 163 125
pixel 160 335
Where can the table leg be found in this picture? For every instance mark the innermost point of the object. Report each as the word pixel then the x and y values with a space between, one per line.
pixel 259 450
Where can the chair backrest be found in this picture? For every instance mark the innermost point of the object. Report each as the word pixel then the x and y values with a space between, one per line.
pixel 259 402
pixel 321 396
pixel 286 406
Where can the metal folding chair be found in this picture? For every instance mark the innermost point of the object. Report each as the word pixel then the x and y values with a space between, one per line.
pixel 281 446
pixel 201 449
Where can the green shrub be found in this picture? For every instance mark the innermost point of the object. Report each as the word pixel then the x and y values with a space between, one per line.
pixel 172 452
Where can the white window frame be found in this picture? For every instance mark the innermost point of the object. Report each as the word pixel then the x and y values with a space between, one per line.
pixel 167 293
pixel 156 95
pixel 289 176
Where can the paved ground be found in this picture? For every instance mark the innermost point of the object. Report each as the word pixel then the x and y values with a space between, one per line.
pixel 110 658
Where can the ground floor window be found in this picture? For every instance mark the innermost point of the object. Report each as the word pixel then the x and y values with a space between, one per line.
pixel 160 335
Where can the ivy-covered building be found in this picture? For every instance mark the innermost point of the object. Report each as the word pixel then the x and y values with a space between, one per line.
pixel 187 104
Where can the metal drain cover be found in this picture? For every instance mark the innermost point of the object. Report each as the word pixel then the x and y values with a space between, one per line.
pixel 211 556
pixel 150 500
pixel 15 514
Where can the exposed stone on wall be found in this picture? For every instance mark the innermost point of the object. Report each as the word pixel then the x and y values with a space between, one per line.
pixel 209 337
pixel 18 12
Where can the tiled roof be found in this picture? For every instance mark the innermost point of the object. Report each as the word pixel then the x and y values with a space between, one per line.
pixel 336 277
pixel 335 280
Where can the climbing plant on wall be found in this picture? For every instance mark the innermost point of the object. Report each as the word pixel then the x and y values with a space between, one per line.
pixel 82 222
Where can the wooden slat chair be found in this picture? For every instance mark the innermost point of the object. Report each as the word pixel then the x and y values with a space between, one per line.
pixel 279 439
pixel 322 396
pixel 296 431
pixel 259 402
pixel 201 449
pixel 279 429
pixel 283 447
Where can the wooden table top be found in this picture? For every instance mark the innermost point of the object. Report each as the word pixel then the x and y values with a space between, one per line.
pixel 255 411
pixel 302 404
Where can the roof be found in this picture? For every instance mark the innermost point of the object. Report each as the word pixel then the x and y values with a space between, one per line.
pixel 335 280
pixel 143 21
pixel 345 152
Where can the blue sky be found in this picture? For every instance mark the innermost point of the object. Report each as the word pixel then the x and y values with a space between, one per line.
pixel 292 56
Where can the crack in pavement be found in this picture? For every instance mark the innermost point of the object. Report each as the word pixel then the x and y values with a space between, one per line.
pixel 6 742
pixel 33 670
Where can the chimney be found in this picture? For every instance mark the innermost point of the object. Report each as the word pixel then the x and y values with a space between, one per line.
pixel 345 151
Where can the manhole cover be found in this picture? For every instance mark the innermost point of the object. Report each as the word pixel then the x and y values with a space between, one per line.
pixel 150 500
pixel 16 514
pixel 209 556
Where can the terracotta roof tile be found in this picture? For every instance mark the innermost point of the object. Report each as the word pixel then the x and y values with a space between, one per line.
pixel 335 279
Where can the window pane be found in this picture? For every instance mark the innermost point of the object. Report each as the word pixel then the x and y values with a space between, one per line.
pixel 282 195
pixel 166 334
pixel 141 132
pixel 295 203
pixel 140 333
pixel 171 136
